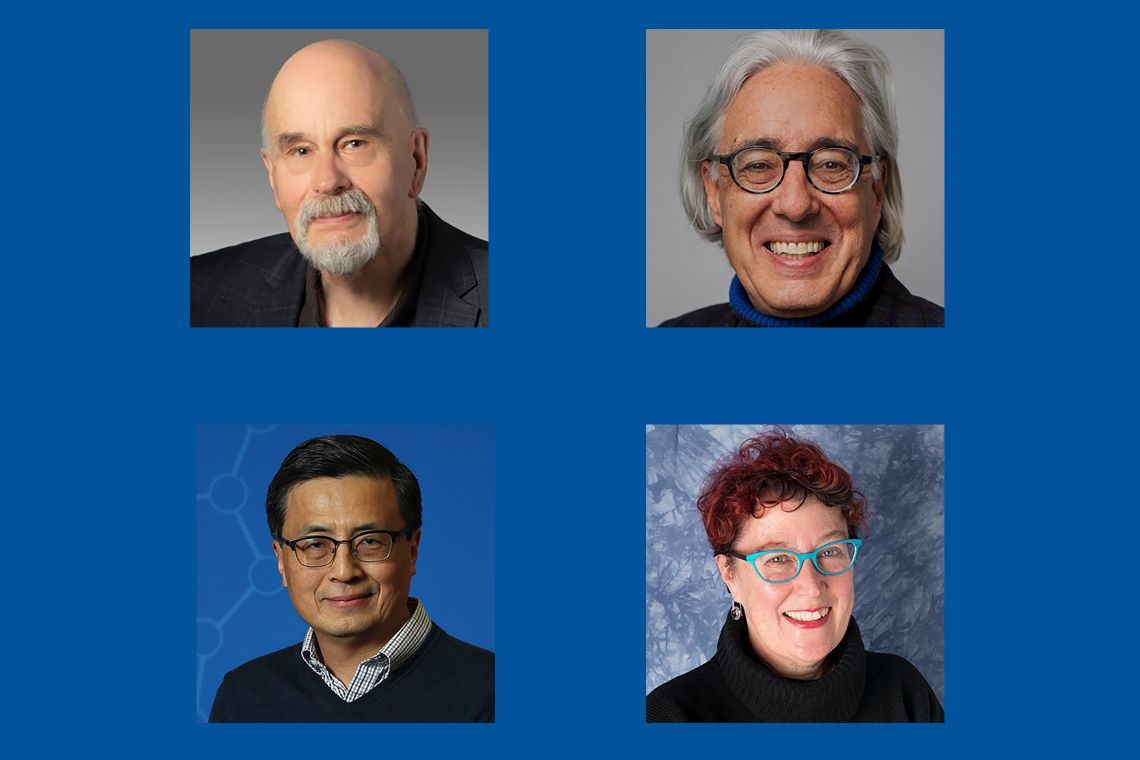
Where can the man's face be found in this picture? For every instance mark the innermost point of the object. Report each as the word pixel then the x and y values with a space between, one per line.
pixel 795 107
pixel 358 602
pixel 342 146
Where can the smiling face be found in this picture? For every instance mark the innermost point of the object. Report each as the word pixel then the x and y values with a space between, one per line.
pixel 796 249
pixel 356 602
pixel 792 626
pixel 345 161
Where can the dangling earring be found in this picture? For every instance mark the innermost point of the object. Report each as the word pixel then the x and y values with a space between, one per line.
pixel 737 611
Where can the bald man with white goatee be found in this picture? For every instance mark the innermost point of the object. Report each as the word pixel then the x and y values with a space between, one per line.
pixel 346 160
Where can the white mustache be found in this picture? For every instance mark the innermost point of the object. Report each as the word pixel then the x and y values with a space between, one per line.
pixel 349 202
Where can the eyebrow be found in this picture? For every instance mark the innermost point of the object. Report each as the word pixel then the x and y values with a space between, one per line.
pixel 772 143
pixel 826 538
pixel 289 139
pixel 286 140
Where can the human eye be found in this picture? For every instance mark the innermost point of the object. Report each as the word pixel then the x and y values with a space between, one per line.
pixel 299 151
pixel 833 160
pixel 355 143
pixel 313 544
pixel 775 560
pixel 757 165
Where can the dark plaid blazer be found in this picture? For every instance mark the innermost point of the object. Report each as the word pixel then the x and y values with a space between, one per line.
pixel 889 304
pixel 262 283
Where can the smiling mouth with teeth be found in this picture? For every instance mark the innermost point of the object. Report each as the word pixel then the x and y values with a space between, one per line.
pixel 796 250
pixel 808 616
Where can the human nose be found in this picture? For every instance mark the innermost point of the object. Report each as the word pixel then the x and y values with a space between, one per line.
pixel 328 176
pixel 810 580
pixel 344 567
pixel 795 198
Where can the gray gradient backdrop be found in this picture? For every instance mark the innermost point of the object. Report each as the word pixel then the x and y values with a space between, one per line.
pixel 682 271
pixel 230 73
pixel 899 578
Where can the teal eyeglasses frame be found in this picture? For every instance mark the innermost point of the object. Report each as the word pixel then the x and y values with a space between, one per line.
pixel 812 555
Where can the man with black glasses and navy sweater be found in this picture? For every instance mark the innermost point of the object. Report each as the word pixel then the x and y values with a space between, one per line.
pixel 345 515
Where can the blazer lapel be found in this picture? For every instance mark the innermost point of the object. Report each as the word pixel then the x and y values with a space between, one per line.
pixel 449 290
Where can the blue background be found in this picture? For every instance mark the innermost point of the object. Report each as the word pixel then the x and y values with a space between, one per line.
pixel 1033 377
pixel 245 612
pixel 899 575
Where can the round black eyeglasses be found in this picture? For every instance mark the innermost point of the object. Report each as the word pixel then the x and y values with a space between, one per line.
pixel 761 170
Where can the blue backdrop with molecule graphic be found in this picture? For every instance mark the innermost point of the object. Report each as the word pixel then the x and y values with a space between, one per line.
pixel 243 610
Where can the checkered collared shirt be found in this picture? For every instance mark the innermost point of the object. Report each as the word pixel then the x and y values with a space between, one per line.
pixel 379 666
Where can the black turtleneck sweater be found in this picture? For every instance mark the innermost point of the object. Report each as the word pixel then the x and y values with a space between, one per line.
pixel 736 687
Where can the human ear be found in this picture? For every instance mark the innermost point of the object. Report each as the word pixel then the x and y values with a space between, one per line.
pixel 879 184
pixel 420 139
pixel 712 190
pixel 724 565
pixel 272 186
pixel 281 564
pixel 414 543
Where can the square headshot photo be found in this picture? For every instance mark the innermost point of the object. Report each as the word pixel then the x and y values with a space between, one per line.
pixel 338 178
pixel 794 178
pixel 794 574
pixel 328 587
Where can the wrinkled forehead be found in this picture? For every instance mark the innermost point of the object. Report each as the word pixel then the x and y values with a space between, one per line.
pixel 314 94
pixel 793 106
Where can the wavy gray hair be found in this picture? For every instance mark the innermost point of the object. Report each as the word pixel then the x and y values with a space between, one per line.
pixel 861 65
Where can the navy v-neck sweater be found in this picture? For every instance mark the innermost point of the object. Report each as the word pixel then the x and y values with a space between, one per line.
pixel 736 687
pixel 446 681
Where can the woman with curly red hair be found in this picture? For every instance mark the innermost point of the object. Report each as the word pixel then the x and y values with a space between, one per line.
pixel 784 524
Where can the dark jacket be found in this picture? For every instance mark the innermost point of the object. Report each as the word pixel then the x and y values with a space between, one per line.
pixel 262 283
pixel 889 304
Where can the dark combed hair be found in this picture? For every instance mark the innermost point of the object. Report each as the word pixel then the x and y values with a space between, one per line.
pixel 770 469
pixel 339 456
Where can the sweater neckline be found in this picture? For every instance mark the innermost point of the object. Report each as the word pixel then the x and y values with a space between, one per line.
pixel 833 698
pixel 738 298
pixel 339 706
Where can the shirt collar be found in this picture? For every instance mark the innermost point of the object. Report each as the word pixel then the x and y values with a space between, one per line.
pixel 399 649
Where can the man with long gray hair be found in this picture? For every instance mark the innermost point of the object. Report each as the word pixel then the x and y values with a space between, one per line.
pixel 346 161
pixel 791 164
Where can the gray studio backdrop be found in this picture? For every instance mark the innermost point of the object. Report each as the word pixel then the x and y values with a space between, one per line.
pixel 682 271
pixel 899 576
pixel 230 73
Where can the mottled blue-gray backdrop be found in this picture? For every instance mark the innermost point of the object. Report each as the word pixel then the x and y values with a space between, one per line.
pixel 899 576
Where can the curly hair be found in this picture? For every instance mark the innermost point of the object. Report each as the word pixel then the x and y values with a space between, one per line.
pixel 770 469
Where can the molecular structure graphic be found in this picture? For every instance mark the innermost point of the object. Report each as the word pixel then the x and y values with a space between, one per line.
pixel 227 494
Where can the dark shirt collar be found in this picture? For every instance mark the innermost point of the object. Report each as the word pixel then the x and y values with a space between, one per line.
pixel 403 313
